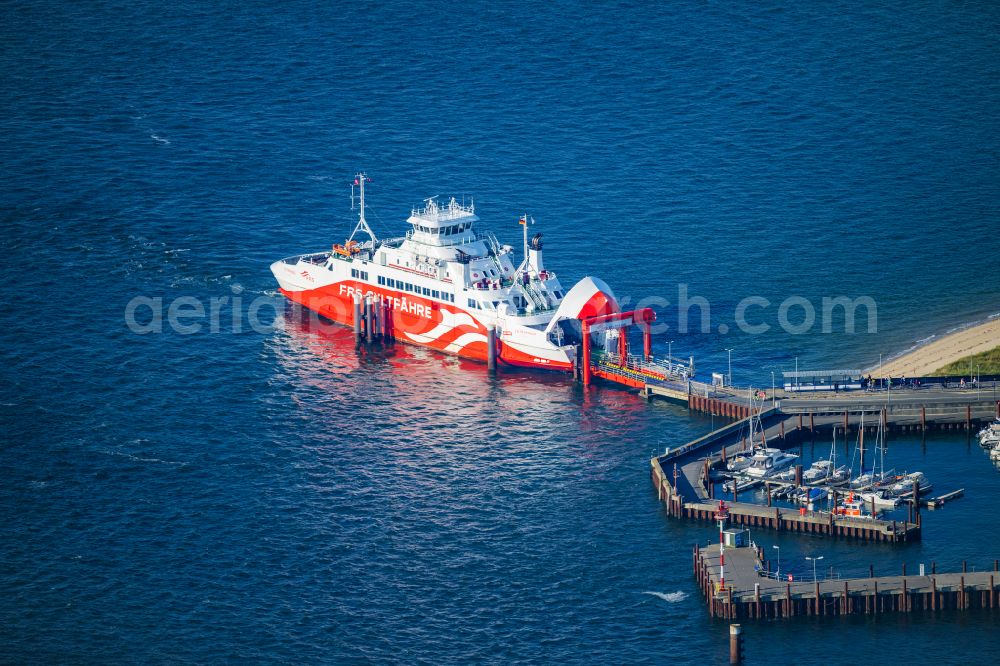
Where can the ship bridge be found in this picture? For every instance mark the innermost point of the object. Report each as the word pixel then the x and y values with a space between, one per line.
pixel 450 224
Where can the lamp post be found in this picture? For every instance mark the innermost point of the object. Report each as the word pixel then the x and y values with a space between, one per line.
pixel 814 560
pixel 730 366
pixel 796 373
pixel 670 356
pixel 772 389
pixel 777 574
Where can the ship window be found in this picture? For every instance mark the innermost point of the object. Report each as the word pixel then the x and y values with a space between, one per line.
pixel 472 303
pixel 354 272
pixel 427 292
pixel 381 280
pixel 435 294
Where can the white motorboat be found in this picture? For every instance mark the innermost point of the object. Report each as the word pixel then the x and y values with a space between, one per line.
pixel 990 435
pixel 739 463
pixel 769 462
pixel 882 498
pixel 742 483
pixel 824 471
pixel 904 487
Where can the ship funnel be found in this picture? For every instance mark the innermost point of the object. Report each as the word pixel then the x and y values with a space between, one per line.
pixel 535 254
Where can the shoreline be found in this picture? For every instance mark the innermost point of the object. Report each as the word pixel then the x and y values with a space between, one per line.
pixel 937 352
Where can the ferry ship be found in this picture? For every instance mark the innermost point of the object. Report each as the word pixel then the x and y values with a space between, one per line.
pixel 447 283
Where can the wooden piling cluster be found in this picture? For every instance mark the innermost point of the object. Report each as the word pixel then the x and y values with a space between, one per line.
pixel 372 320
pixel 718 407
pixel 750 596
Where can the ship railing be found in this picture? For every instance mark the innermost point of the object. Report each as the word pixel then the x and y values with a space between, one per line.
pixel 318 258
pixel 538 299
pixel 641 368
pixel 491 241
pixel 394 241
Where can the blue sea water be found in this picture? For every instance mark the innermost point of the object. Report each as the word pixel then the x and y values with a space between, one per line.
pixel 233 495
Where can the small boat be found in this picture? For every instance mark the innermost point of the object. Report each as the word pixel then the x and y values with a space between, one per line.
pixel 995 452
pixel 787 475
pixel 807 495
pixel 875 480
pixel 990 435
pixel 881 498
pixel 769 462
pixel 739 463
pixel 852 506
pixel 824 471
pixel 904 487
pixel 742 484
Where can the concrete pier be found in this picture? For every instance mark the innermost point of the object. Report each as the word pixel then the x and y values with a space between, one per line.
pixel 750 593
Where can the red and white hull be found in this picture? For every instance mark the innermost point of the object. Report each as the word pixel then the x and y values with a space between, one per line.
pixel 425 281
pixel 445 327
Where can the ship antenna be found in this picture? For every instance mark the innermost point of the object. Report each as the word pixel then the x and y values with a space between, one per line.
pixel 524 224
pixel 360 179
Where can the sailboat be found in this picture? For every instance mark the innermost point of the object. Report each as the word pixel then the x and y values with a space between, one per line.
pixel 741 462
pixel 876 477
pixel 826 470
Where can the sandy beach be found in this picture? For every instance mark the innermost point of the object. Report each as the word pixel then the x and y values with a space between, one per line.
pixel 938 353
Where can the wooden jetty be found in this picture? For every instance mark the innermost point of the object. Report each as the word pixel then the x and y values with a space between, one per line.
pixel 750 592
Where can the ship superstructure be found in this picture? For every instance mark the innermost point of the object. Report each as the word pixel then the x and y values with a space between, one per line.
pixel 446 283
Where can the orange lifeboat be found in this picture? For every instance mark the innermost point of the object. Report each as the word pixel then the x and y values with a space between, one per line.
pixel 348 249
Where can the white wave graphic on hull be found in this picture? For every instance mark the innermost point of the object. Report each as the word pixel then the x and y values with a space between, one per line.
pixel 669 597
pixel 464 340
pixel 449 320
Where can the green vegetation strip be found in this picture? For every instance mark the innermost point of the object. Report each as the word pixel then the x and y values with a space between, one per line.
pixel 988 362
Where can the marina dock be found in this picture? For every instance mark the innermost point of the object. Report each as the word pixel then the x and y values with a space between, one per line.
pixel 751 591
pixel 683 475
pixel 782 518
